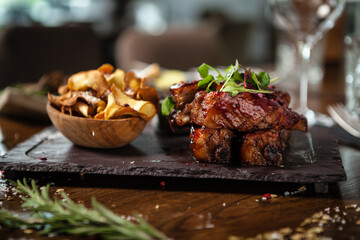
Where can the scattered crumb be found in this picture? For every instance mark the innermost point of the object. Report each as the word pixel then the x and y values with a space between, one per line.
pixel 350 206
pixel 28 231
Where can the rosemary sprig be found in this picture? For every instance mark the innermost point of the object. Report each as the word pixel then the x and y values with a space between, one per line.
pixel 63 216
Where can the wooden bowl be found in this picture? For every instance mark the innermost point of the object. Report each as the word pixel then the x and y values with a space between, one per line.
pixel 96 133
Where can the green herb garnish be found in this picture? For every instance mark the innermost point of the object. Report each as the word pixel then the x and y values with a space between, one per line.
pixel 167 106
pixel 234 82
pixel 63 216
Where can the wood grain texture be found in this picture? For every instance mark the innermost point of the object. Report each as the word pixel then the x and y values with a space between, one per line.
pixel 96 133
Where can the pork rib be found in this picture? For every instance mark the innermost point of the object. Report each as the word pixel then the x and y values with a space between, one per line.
pixel 260 148
pixel 245 112
pixel 211 145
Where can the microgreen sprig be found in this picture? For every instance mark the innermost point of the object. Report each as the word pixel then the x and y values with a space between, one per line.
pixel 235 82
pixel 66 217
pixel 232 82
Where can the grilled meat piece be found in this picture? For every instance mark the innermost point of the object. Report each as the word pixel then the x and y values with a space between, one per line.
pixel 245 112
pixel 211 145
pixel 183 93
pixel 263 148
pixel 182 117
pixel 249 128
pixel 201 108
pixel 260 148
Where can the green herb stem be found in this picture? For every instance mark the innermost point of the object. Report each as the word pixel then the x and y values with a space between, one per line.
pixel 66 217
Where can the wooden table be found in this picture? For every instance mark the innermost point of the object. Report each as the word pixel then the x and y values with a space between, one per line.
pixel 219 214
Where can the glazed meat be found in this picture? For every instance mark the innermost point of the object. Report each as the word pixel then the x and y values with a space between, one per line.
pixel 263 148
pixel 245 112
pixel 183 93
pixel 260 148
pixel 249 128
pixel 211 145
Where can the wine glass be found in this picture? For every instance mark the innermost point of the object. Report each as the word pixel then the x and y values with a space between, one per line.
pixel 306 22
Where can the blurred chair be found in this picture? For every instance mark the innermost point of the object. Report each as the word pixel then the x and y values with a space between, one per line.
pixel 26 53
pixel 176 48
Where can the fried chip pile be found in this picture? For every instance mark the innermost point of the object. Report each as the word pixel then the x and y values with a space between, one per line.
pixel 106 94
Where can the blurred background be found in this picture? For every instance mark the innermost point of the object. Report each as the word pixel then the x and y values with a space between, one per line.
pixel 39 36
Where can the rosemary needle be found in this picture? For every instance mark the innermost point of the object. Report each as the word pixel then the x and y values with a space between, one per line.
pixel 64 216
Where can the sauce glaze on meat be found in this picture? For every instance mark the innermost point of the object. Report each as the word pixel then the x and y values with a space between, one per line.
pixel 249 128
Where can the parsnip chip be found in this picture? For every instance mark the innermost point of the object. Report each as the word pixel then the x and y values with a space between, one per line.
pixel 62 100
pixel 100 115
pixel 111 107
pixel 115 94
pixel 116 78
pixel 146 109
pixel 90 79
pixel 125 113
pixel 83 109
pixel 147 93
pixel 106 68
pixel 130 83
pixel 101 105
pixel 70 98
pixel 66 109
pixel 63 89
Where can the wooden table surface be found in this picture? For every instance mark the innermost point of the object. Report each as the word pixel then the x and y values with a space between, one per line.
pixel 226 212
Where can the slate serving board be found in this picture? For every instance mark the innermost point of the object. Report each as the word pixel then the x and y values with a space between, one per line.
pixel 310 158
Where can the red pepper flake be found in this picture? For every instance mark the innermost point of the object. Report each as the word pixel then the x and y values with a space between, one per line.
pixel 339 160
pixel 43 158
pixel 267 195
pixel 187 164
pixel 162 184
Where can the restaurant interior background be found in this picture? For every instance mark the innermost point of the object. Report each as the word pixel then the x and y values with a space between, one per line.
pixel 38 36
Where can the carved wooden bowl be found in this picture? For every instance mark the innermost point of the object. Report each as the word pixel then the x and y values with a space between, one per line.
pixel 96 133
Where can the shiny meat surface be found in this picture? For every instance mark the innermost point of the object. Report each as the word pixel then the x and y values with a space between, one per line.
pixel 250 129
pixel 183 93
pixel 182 116
pixel 245 112
pixel 263 148
pixel 260 148
pixel 211 145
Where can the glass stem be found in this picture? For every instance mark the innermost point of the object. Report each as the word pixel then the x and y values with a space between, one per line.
pixel 305 51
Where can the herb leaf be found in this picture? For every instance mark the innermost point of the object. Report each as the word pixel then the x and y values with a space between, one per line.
pixel 206 80
pixel 67 217
pixel 234 89
pixel 167 106
pixel 203 70
pixel 234 82
pixel 255 79
pixel 264 79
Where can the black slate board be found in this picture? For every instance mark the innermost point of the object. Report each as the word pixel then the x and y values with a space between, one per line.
pixel 310 158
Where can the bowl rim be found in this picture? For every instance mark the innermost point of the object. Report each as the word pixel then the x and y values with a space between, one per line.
pixel 51 109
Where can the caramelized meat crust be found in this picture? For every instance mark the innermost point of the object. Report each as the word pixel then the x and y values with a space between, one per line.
pixel 251 129
pixel 245 112
pixel 260 148
pixel 211 145
pixel 263 148
pixel 183 93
